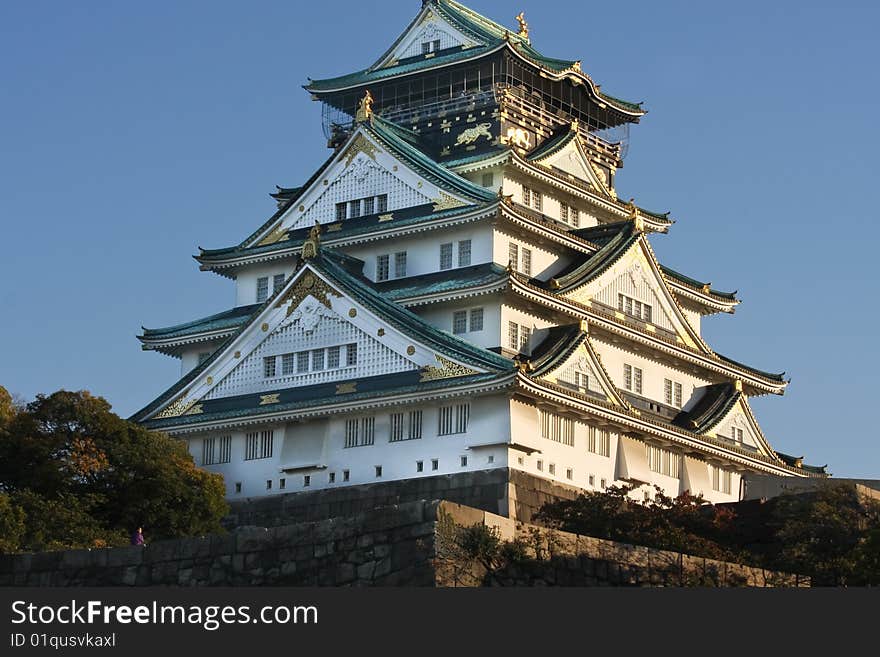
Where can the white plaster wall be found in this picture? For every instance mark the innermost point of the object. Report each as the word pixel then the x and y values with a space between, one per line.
pixel 521 317
pixel 440 316
pixel 588 215
pixel 246 280
pixel 544 263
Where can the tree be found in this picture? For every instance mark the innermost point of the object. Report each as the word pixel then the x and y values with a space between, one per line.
pixel 84 476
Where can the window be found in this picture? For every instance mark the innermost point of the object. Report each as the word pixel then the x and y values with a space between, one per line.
pixel 382 269
pixel 331 478
pixel 721 479
pixel 287 364
pixel 526 264
pixel 237 486
pixel 269 367
pixel 378 470
pixel 262 289
pixel 540 465
pixel 268 484
pixel 632 378
pixel 663 461
pixel 307 480
pixel 400 264
pixel 351 354
pixel 346 475
pixel 513 335
pixel 525 332
pixel 603 484
pixel 341 211
pixel 333 357
pixel 406 426
pixel 598 441
pixel 737 434
pixel 360 431
pixel 354 209
pixel 551 469
pixel 420 466
pixel 581 381
pixel 361 207
pixel 446 256
pixel 435 464
pixel 488 179
pixel 556 428
pixel 259 445
pixel 490 458
pixel 426 47
pixel 464 461
pixel 277 282
pixel 533 198
pixel 459 322
pixel 464 253
pixel 592 480
pixel 225 455
pixel 634 308
pixel 317 360
pixel 282 483
pixel 453 419
pixel 476 319
pixel 672 392
pixel 382 203
pixel 569 473
pixel 369 205
pixel 208 451
pixel 569 215
pixel 513 256
pixel 520 460
pixel 302 362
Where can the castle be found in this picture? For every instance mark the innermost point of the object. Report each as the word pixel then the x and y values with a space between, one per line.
pixel 459 287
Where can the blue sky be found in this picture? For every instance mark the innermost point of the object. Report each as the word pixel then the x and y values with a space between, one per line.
pixel 132 133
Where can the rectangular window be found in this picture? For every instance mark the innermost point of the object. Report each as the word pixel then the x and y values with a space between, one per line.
pixel 420 466
pixel 354 209
pixel 736 434
pixel 464 253
pixel 382 268
pixel 302 362
pixel 603 484
pixel 513 256
pixel 488 179
pixel 435 464
pixel 569 474
pixel 628 377
pixel 556 428
pixel 525 332
pixel 676 399
pixel 287 364
pixel 632 378
pixel 360 431
pixel 464 461
pixel 537 201
pixel 667 391
pixel 513 335
pixel 269 367
pixel 400 264
pixel 527 196
pixel 663 461
pixel 446 256
pixel 598 441
pixel 476 319
pixel 721 480
pixel 346 475
pixel 581 381
pixel 396 432
pixel 331 478
pixel 426 47
pixel 459 322
pixel 540 465
pixel 268 484
pixel 592 480
pixel 282 483
pixel 258 445
pixel 262 289
pixel 634 308
pixel 563 212
pixel 378 470
pixel 351 354
pixel 415 425
pixel 637 379
pixel 267 444
pixel 277 282
pixel 333 357
pixel 208 456
pixel 317 360
pixel 406 426
pixel 672 392
pixel 307 480
pixel 435 45
pixel 341 211
pixel 369 205
pixel 382 203
pixel 453 419
pixel 526 266
pixel 225 455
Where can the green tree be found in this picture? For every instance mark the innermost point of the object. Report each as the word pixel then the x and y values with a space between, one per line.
pixel 82 475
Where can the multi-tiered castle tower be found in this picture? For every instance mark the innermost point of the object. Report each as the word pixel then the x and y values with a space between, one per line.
pixel 459 287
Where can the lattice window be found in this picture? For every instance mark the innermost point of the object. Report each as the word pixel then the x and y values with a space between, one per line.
pixel 632 378
pixel 225 453
pixel 488 179
pixel 259 445
pixel 453 419
pixel 459 322
pixel 598 441
pixel 556 428
pixel 277 282
pixel 360 432
pixel 333 357
pixel 476 319
pixel 526 265
pixel 208 454
pixel 400 264
pixel 663 461
pixel 382 203
pixel 672 392
pixel 525 333
pixel 382 268
pixel 721 479
pixel 354 209
pixel 302 362
pixel 464 253
pixel 351 354
pixel 513 335
pixel 446 256
pixel 262 289
pixel 369 205
pixel 317 360
pixel 406 426
pixel 513 255
pixel 341 211
pixel 269 367
pixel 736 434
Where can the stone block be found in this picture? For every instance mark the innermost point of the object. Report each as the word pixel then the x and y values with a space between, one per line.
pixel 252 540
pixel 365 570
pixel 126 556
pixel 130 575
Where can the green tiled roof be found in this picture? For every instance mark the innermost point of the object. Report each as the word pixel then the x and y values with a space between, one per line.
pixel 780 378
pixel 232 318
pixel 793 461
pixel 615 240
pixel 442 281
pixel 693 282
pixel 715 403
pixel 560 343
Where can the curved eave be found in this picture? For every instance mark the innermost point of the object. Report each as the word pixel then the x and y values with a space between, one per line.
pixel 607 203
pixel 610 323
pixel 171 346
pixel 707 301
pixel 630 111
pixel 291 248
pixel 705 445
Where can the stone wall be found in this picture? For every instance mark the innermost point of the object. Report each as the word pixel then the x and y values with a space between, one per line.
pixel 400 545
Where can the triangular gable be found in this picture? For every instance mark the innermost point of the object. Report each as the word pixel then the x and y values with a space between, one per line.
pixel 573 363
pixel 571 157
pixel 427 27
pixel 311 312
pixel 363 168
pixel 740 416
pixel 636 275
